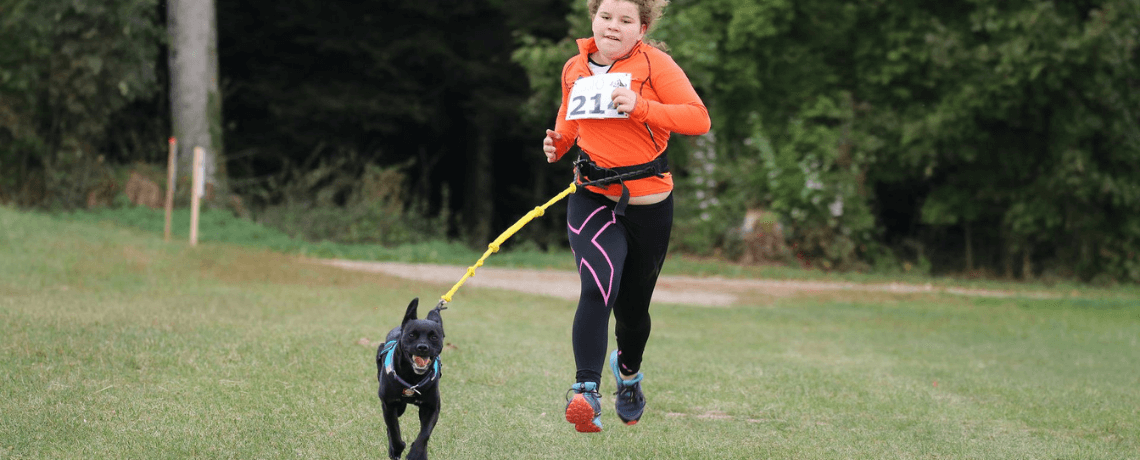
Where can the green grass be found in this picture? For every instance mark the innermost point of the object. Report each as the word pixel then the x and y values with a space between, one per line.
pixel 118 345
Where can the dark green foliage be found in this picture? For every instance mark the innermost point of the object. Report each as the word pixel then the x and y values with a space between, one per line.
pixel 1019 119
pixel 369 207
pixel 1007 131
pixel 776 76
pixel 425 85
pixel 66 68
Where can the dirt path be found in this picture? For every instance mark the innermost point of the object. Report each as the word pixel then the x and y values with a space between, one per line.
pixel 711 291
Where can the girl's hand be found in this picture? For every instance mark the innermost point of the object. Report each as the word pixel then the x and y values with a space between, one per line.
pixel 624 99
pixel 548 145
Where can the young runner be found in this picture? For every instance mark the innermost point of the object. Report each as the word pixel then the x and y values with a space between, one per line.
pixel 621 99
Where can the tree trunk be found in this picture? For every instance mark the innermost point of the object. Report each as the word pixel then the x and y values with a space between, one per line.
pixel 969 249
pixel 478 204
pixel 1027 264
pixel 1008 253
pixel 422 189
pixel 195 100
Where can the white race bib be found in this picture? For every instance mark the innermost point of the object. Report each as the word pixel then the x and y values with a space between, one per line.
pixel 590 96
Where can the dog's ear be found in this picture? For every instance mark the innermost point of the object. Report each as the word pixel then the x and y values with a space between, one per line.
pixel 411 313
pixel 434 315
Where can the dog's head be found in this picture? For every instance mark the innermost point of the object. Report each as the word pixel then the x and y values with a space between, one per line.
pixel 421 339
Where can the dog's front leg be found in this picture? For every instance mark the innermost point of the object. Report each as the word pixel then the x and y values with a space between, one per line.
pixel 429 414
pixel 392 422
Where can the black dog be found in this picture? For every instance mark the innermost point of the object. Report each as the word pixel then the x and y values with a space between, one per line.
pixel 408 369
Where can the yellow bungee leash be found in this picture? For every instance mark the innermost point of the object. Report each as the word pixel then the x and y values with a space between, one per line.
pixel 626 174
pixel 494 246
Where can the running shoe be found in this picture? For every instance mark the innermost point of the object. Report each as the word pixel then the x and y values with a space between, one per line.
pixel 584 408
pixel 630 403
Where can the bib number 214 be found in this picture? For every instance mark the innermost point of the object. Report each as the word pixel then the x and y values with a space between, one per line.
pixel 590 96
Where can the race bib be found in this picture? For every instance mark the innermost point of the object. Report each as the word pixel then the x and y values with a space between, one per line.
pixel 590 96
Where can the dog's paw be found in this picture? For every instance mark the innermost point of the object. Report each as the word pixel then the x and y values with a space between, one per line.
pixel 395 449
pixel 417 452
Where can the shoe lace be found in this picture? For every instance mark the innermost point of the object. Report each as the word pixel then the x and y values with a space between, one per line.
pixel 629 392
pixel 579 389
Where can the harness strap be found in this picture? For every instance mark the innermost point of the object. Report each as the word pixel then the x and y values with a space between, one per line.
pixel 591 174
pixel 389 368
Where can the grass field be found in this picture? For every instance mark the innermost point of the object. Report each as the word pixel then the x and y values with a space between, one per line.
pixel 115 344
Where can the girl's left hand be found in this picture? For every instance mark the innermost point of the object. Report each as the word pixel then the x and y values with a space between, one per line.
pixel 624 99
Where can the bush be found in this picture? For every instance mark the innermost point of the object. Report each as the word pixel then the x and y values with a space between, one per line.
pixel 334 204
pixel 807 173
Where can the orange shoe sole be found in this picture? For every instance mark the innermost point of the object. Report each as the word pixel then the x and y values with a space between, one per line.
pixel 581 414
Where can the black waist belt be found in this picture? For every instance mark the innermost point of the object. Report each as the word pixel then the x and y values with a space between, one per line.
pixel 589 173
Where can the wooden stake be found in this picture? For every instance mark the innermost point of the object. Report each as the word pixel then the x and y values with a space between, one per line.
pixel 196 194
pixel 171 174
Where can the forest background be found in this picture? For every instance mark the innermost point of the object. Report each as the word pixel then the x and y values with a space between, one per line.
pixel 979 137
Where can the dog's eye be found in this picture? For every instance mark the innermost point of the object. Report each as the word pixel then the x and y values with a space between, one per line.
pixel 433 338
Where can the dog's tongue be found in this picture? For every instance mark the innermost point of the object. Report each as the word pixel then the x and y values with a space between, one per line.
pixel 421 361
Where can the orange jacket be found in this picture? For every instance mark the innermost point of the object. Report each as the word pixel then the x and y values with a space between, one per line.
pixel 666 103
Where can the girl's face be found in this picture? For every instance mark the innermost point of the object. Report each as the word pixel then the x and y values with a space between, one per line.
pixel 617 27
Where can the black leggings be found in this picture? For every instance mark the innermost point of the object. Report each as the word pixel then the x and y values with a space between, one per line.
pixel 618 259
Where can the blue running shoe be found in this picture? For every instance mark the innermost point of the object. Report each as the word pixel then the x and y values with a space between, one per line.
pixel 630 403
pixel 584 409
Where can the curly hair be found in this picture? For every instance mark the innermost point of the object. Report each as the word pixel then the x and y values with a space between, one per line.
pixel 648 11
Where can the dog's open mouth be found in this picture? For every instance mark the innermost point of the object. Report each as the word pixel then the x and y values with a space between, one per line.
pixel 420 364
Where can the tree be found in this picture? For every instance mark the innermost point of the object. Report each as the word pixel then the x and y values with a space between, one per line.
pixel 423 87
pixel 776 77
pixel 195 100
pixel 995 132
pixel 1020 120
pixel 66 69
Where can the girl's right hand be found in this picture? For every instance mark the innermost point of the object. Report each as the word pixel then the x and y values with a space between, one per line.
pixel 548 145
